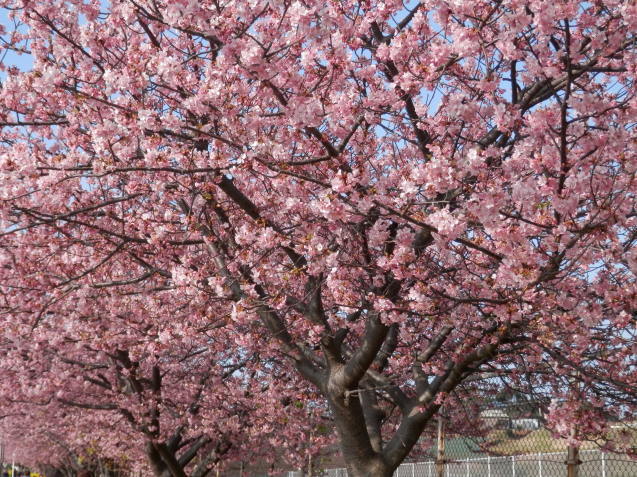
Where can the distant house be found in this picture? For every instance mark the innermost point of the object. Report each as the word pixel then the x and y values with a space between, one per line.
pixel 527 424
pixel 499 419
pixel 496 418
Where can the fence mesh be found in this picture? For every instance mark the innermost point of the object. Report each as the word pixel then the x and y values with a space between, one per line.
pixel 507 440
pixel 510 447
pixel 594 463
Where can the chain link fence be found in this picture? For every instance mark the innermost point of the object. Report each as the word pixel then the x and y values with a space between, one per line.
pixel 504 439
pixel 511 447
pixel 594 463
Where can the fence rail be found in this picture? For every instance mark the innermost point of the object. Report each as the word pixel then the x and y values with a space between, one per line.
pixel 594 463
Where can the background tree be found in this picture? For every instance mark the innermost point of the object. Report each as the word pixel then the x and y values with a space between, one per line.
pixel 179 397
pixel 64 442
pixel 392 198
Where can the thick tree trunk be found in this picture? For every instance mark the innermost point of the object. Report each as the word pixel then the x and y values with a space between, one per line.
pixel 360 458
pixel 374 468
pixel 157 463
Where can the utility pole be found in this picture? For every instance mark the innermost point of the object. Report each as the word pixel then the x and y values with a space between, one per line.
pixel 310 472
pixel 440 455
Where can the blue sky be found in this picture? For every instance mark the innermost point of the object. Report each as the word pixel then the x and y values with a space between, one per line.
pixel 11 58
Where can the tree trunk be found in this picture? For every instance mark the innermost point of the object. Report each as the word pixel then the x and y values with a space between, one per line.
pixel 155 461
pixel 371 469
pixel 360 458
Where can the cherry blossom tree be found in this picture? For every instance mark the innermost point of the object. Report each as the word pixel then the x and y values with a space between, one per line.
pixel 391 201
pixel 36 438
pixel 125 392
pixel 144 406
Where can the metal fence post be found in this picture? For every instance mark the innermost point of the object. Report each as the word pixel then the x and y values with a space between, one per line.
pixel 512 466
pixel 429 467
pixel 467 467
pixel 413 470
pixel 539 464
pixel 572 461
pixel 489 465
pixel 440 454
pixel 603 464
